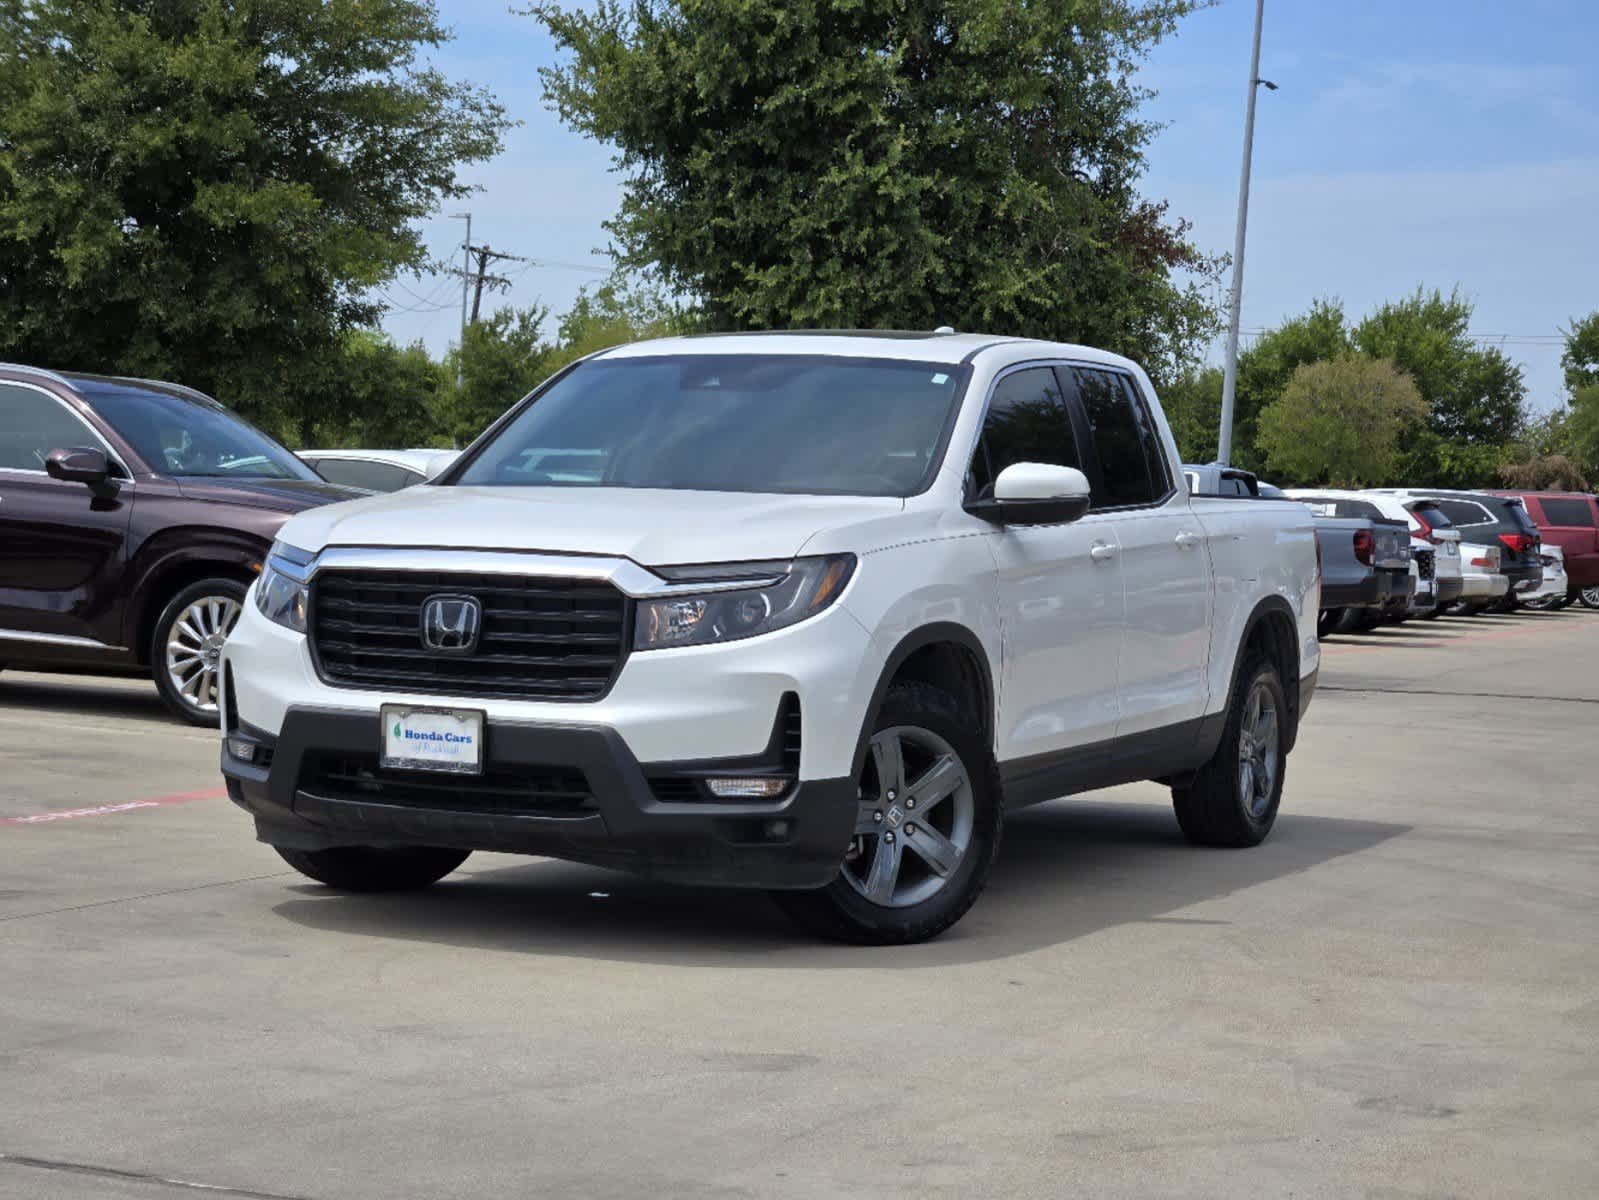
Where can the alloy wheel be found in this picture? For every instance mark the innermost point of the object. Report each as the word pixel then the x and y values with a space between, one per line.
pixel 1589 597
pixel 194 649
pixel 1257 751
pixel 914 826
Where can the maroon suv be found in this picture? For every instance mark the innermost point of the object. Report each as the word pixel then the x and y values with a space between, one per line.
pixel 1570 520
pixel 133 516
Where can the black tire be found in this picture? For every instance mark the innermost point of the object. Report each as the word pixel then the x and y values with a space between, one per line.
pixel 1210 807
pixel 840 911
pixel 1544 603
pixel 1560 602
pixel 1327 622
pixel 374 868
pixel 1508 603
pixel 230 591
pixel 1358 620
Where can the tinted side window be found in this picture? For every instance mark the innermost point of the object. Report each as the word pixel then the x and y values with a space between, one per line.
pixel 1567 512
pixel 1432 514
pixel 1028 421
pixel 374 476
pixel 1124 439
pixel 1466 512
pixel 32 424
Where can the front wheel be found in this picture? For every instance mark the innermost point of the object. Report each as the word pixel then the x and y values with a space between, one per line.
pixel 1232 800
pixel 186 647
pixel 927 829
pixel 1589 597
pixel 375 868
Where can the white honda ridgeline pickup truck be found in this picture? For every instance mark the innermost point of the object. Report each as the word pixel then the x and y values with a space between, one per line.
pixel 800 612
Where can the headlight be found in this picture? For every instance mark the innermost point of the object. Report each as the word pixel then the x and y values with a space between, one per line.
pixel 789 593
pixel 282 593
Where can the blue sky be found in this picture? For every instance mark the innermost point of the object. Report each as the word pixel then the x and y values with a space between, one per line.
pixel 1435 142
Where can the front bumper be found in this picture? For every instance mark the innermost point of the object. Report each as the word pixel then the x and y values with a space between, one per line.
pixel 322 789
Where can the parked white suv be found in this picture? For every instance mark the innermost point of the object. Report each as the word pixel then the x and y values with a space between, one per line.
pixel 797 612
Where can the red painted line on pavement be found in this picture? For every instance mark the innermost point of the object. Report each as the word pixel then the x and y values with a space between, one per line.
pixel 106 810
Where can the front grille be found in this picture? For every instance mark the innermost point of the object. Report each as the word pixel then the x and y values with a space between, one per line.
pixel 1425 563
pixel 525 792
pixel 547 639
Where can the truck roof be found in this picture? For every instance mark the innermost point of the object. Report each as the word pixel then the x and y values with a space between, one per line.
pixel 949 348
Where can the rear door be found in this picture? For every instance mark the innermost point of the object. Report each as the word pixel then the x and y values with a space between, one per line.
pixel 1166 570
pixel 62 547
pixel 1570 523
pixel 1060 586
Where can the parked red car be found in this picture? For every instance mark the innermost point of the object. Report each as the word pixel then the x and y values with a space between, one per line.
pixel 1571 521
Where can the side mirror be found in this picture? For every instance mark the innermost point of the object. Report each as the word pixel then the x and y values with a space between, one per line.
pixel 81 464
pixel 1035 494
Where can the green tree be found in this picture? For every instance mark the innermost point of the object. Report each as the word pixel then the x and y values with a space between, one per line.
pixel 1476 395
pixel 210 190
pixel 502 359
pixel 1340 422
pixel 1265 368
pixel 1192 404
pixel 1580 359
pixel 838 163
pixel 1582 429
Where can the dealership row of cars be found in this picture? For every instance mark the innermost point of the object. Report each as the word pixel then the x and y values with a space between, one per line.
pixel 1390 554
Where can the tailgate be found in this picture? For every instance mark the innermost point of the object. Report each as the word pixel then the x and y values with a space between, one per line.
pixel 1391 551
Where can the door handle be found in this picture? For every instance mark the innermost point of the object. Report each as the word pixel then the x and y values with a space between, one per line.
pixel 1187 540
pixel 1102 552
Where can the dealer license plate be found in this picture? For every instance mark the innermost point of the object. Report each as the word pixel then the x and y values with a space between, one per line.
pixel 432 739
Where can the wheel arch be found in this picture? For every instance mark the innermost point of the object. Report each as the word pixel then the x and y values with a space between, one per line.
pixel 169 571
pixel 942 653
pixel 1273 629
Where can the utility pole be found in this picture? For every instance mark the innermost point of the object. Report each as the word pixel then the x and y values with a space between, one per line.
pixel 466 269
pixel 1229 384
pixel 486 255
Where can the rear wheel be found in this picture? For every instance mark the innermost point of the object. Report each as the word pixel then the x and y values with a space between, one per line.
pixel 926 833
pixel 1544 603
pixel 1589 597
pixel 186 647
pixel 1327 621
pixel 1232 800
pixel 375 868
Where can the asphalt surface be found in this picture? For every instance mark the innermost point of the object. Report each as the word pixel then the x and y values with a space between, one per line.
pixel 1396 996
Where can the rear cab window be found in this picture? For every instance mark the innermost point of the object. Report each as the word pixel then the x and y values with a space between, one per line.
pixel 1131 461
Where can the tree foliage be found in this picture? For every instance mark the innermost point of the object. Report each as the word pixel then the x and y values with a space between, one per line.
pixel 833 163
pixel 1476 394
pixel 1580 358
pixel 208 190
pixel 1552 472
pixel 501 359
pixel 1340 422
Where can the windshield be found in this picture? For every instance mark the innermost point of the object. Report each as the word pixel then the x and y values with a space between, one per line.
pixel 180 435
pixel 730 423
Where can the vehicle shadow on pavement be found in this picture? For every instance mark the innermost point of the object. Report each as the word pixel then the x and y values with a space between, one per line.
pixel 1067 869
pixel 131 698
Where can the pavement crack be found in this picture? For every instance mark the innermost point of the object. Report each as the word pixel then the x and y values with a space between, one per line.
pixel 199 887
pixel 1393 691
pixel 98 1172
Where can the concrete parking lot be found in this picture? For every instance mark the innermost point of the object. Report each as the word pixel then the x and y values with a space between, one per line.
pixel 1397 995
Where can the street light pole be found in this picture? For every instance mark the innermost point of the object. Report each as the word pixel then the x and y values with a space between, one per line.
pixel 1229 383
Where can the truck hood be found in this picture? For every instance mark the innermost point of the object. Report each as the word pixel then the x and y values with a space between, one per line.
pixel 280 495
pixel 650 526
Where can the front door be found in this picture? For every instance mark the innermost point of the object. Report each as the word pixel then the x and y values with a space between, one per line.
pixel 1059 586
pixel 61 546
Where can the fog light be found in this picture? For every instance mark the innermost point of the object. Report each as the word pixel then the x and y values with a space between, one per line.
pixel 748 787
pixel 242 748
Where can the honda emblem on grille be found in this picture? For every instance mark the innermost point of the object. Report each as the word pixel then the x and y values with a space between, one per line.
pixel 450 624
